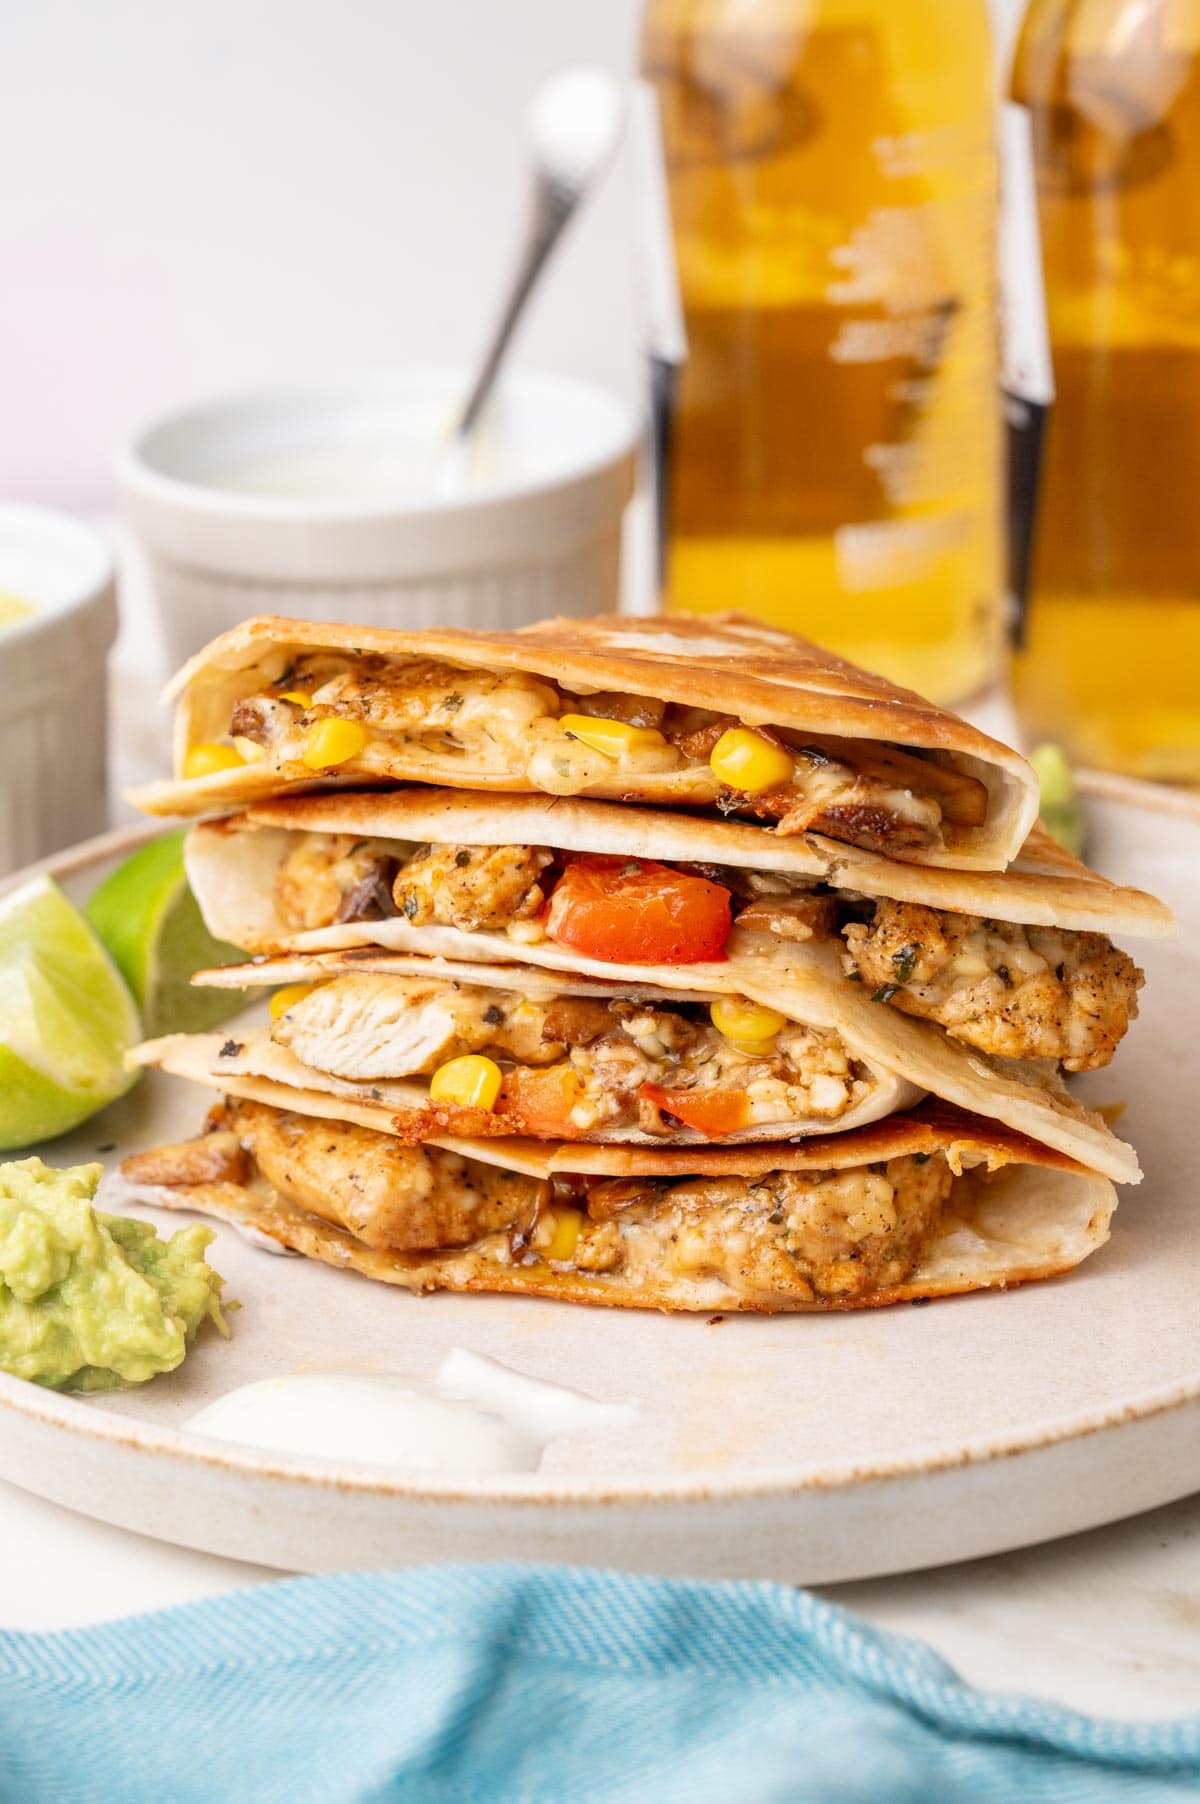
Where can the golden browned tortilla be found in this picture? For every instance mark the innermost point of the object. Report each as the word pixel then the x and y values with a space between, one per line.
pixel 233 872
pixel 932 789
pixel 927 1204
pixel 1045 886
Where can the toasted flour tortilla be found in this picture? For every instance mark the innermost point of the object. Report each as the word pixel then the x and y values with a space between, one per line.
pixel 730 666
pixel 806 984
pixel 417 1119
pixel 1030 1214
pixel 232 875
pixel 1045 887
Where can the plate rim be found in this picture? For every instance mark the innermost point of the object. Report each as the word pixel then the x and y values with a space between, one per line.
pixel 52 1409
pixel 56 1410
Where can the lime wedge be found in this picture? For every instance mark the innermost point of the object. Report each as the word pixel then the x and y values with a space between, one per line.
pixel 148 918
pixel 66 1017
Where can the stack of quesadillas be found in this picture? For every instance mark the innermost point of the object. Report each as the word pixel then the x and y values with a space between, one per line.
pixel 662 963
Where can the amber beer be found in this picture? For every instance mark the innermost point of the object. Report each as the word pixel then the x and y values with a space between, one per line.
pixel 834 460
pixel 1111 657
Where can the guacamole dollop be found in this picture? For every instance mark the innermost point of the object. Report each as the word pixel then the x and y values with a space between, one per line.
pixel 91 1302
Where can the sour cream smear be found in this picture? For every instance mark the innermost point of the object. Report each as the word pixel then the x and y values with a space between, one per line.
pixel 476 1416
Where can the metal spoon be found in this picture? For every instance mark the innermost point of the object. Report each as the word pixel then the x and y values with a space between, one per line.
pixel 575 125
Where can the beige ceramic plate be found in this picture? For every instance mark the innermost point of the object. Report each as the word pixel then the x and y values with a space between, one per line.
pixel 806 1448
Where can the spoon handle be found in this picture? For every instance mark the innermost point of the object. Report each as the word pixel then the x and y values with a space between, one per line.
pixel 553 204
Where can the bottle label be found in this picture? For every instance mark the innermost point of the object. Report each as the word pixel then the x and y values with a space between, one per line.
pixel 1099 30
pixel 1027 372
pixel 896 554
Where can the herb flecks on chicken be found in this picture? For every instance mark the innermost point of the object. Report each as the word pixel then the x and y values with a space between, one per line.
pixel 1019 992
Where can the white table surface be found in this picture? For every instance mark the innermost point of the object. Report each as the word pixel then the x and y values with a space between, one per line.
pixel 1106 1622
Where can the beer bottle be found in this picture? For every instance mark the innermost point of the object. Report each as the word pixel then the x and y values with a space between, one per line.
pixel 833 458
pixel 1109 664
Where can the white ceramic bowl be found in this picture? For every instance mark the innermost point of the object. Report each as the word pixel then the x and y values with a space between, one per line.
pixel 316 501
pixel 53 683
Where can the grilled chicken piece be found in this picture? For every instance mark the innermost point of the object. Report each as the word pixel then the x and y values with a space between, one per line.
pixel 794 917
pixel 800 1234
pixel 890 822
pixel 575 1020
pixel 834 801
pixel 268 721
pixel 1021 992
pixel 472 887
pixel 958 798
pixel 406 1198
pixel 636 710
pixel 322 874
pixel 367 1026
pixel 424 697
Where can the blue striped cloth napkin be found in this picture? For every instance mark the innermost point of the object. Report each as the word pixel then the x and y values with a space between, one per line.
pixel 495 1682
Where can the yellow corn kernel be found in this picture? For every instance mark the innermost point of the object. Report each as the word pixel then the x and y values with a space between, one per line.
pixel 299 698
pixel 745 760
pixel 332 741
pixel 203 759
pixel 288 997
pixel 472 1082
pixel 248 749
pixel 565 1238
pixel 746 1023
pixel 615 738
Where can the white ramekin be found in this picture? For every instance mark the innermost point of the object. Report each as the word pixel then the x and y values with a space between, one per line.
pixel 53 683
pixel 540 535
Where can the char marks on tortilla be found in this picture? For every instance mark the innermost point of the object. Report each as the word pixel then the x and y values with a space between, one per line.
pixel 728 665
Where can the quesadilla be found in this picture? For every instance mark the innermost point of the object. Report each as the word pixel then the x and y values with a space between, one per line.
pixel 979 1010
pixel 929 1203
pixel 725 716
pixel 485 1050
